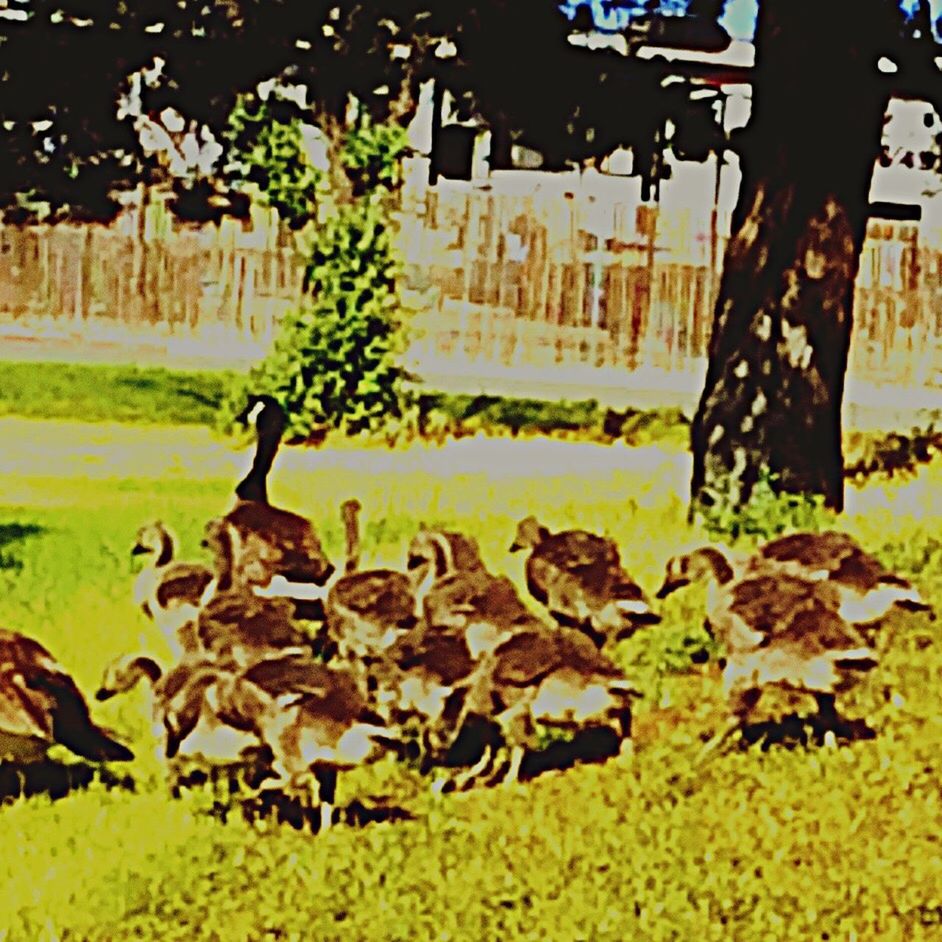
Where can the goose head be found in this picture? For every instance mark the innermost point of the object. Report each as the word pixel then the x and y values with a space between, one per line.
pixel 154 539
pixel 264 412
pixel 430 552
pixel 125 673
pixel 530 533
pixel 701 565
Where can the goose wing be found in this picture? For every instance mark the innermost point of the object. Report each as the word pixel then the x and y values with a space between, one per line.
pixel 242 619
pixel 182 584
pixel 41 699
pixel 383 594
pixel 285 541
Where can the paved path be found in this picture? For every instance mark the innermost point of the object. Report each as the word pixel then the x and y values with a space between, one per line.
pixel 109 449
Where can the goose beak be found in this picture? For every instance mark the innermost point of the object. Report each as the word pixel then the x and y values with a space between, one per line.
pixel 137 549
pixel 103 694
pixel 671 585
pixel 515 547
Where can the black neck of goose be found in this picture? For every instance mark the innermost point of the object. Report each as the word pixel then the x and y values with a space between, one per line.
pixel 254 486
pixel 166 549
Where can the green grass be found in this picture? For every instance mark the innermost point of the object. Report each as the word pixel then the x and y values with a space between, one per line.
pixel 801 844
pixel 98 393
pixel 154 395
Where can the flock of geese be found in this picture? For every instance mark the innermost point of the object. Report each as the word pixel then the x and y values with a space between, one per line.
pixel 288 669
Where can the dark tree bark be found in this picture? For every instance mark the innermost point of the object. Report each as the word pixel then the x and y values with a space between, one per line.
pixel 782 322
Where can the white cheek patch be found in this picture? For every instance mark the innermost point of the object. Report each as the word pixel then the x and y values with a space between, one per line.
pixel 632 607
pixel 255 412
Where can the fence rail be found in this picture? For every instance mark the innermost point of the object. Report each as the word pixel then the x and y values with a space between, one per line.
pixel 540 281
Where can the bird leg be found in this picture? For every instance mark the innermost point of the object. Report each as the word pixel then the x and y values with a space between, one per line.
pixel 466 779
pixel 326 780
pixel 732 724
pixel 516 760
pixel 744 702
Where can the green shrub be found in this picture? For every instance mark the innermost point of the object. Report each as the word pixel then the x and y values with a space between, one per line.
pixel 335 362
pixel 767 514
pixel 267 151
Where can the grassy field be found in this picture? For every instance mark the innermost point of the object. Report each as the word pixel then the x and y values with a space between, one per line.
pixel 789 844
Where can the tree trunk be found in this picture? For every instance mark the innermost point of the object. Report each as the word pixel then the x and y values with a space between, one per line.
pixel 782 322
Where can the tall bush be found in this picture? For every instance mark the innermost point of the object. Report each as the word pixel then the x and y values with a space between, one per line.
pixel 335 362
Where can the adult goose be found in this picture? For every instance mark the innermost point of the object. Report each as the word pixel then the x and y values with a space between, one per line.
pixel 274 548
pixel 40 706
pixel 169 592
pixel 579 577
pixel 779 630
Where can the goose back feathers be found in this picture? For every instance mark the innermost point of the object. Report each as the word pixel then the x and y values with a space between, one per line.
pixel 40 705
pixel 579 577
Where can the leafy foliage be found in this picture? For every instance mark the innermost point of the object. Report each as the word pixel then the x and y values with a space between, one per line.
pixel 267 150
pixel 334 362
pixel 768 512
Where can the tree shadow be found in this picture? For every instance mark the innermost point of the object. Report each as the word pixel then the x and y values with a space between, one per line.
pixel 56 779
pixel 11 536
pixel 177 387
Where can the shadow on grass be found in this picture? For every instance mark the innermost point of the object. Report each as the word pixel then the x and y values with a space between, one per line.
pixel 56 779
pixel 11 536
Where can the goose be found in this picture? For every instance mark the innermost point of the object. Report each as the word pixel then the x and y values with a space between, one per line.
pixel 367 610
pixel 41 706
pixel 317 729
pixel 421 682
pixel 271 543
pixel 555 678
pixel 169 593
pixel 200 714
pixel 779 630
pixel 448 549
pixel 235 624
pixel 579 577
pixel 868 590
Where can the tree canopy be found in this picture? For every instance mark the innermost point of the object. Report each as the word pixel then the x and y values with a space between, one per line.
pixel 80 76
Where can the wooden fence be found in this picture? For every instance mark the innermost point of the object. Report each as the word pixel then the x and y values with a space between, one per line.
pixel 537 281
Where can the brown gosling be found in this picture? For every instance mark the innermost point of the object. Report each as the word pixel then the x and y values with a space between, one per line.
pixel 579 577
pixel 778 630
pixel 868 590
pixel 316 733
pixel 554 678
pixel 169 592
pixel 366 611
